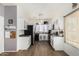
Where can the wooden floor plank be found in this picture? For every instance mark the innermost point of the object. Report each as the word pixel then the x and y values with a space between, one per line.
pixel 38 49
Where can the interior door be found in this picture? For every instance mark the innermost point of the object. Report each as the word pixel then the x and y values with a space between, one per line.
pixel 10 21
pixel 10 41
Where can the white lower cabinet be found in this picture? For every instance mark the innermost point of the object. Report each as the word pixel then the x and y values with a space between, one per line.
pixel 40 37
pixel 43 37
pixel 57 43
pixel 24 42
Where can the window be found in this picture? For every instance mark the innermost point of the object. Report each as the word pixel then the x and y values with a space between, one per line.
pixel 72 28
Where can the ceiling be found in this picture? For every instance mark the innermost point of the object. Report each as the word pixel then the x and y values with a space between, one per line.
pixel 47 10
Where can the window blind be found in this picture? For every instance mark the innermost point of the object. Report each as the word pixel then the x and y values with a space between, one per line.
pixel 72 28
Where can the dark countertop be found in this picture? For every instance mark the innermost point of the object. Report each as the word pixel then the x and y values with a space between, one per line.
pixel 42 32
pixel 23 35
pixel 56 35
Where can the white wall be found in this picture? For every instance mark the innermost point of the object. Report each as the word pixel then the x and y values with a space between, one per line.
pixel 19 30
pixel 20 24
pixel 1 28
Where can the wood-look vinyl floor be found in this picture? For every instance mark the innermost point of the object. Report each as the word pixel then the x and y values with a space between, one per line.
pixel 38 49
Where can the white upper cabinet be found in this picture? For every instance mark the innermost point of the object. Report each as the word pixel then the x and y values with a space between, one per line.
pixel 20 24
pixel 41 28
pixel 45 28
pixel 37 28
